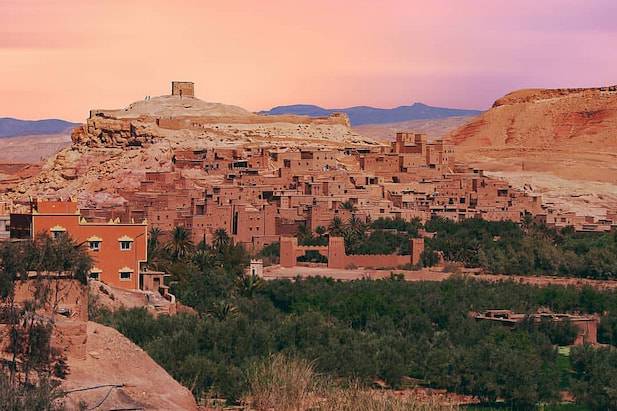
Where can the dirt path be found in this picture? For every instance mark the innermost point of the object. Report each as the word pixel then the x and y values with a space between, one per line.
pixel 432 274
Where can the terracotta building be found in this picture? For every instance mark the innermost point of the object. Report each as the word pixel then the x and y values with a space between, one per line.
pixel 119 250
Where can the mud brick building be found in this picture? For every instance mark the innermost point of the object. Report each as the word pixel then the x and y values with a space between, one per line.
pixel 258 193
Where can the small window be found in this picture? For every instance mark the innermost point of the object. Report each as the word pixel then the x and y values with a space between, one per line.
pixel 125 275
pixel 57 231
pixel 95 275
pixel 95 245
pixel 56 234
pixel 125 245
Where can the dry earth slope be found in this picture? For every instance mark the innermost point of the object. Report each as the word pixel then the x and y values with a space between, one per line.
pixel 561 143
pixel 111 359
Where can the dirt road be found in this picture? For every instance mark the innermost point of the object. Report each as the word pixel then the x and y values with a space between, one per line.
pixel 432 274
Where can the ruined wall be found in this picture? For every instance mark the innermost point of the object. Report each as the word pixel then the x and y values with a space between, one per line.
pixel 64 293
pixel 376 261
pixel 205 122
pixel 68 296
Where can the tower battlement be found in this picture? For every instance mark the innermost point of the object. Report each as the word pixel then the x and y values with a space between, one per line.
pixel 183 88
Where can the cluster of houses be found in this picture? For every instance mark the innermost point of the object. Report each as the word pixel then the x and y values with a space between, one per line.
pixel 260 194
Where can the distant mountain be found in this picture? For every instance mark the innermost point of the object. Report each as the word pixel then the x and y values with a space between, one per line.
pixel 433 128
pixel 371 115
pixel 12 127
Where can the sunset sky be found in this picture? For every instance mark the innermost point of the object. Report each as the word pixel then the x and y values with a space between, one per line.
pixel 60 58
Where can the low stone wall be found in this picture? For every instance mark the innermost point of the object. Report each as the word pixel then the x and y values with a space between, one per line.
pixel 376 260
pixel 337 258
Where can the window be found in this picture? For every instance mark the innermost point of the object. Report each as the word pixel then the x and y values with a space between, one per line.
pixel 125 275
pixel 95 245
pixel 57 231
pixel 95 275
pixel 126 243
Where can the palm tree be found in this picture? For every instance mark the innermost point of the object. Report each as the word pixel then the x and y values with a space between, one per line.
pixel 336 227
pixel 304 234
pixel 348 205
pixel 221 310
pixel 154 237
pixel 527 221
pixel 248 284
pixel 320 230
pixel 357 227
pixel 180 244
pixel 203 258
pixel 221 239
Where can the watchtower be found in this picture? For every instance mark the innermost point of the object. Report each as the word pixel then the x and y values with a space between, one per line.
pixel 183 88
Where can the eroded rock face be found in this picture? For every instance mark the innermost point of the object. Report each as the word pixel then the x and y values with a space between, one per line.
pixel 549 120
pixel 112 358
pixel 103 131
pixel 532 95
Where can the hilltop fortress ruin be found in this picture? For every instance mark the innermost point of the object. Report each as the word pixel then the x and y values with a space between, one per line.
pixel 144 122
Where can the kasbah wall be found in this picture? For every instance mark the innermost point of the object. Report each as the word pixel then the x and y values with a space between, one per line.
pixel 337 258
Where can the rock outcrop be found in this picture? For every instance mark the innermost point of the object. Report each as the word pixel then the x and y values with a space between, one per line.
pixel 101 130
pixel 148 121
pixel 117 374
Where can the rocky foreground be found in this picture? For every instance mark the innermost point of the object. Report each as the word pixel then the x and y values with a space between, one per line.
pixel 120 375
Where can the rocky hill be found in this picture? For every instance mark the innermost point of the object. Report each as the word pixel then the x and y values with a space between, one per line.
pixel 561 142
pixel 32 148
pixel 371 115
pixel 546 119
pixel 114 148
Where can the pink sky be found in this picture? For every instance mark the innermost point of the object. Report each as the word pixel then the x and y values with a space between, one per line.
pixel 60 58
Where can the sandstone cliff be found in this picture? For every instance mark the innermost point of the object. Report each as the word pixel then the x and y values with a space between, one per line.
pixel 561 142
pixel 545 119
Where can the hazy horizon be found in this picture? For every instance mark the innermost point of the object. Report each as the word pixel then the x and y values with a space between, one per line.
pixel 60 59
